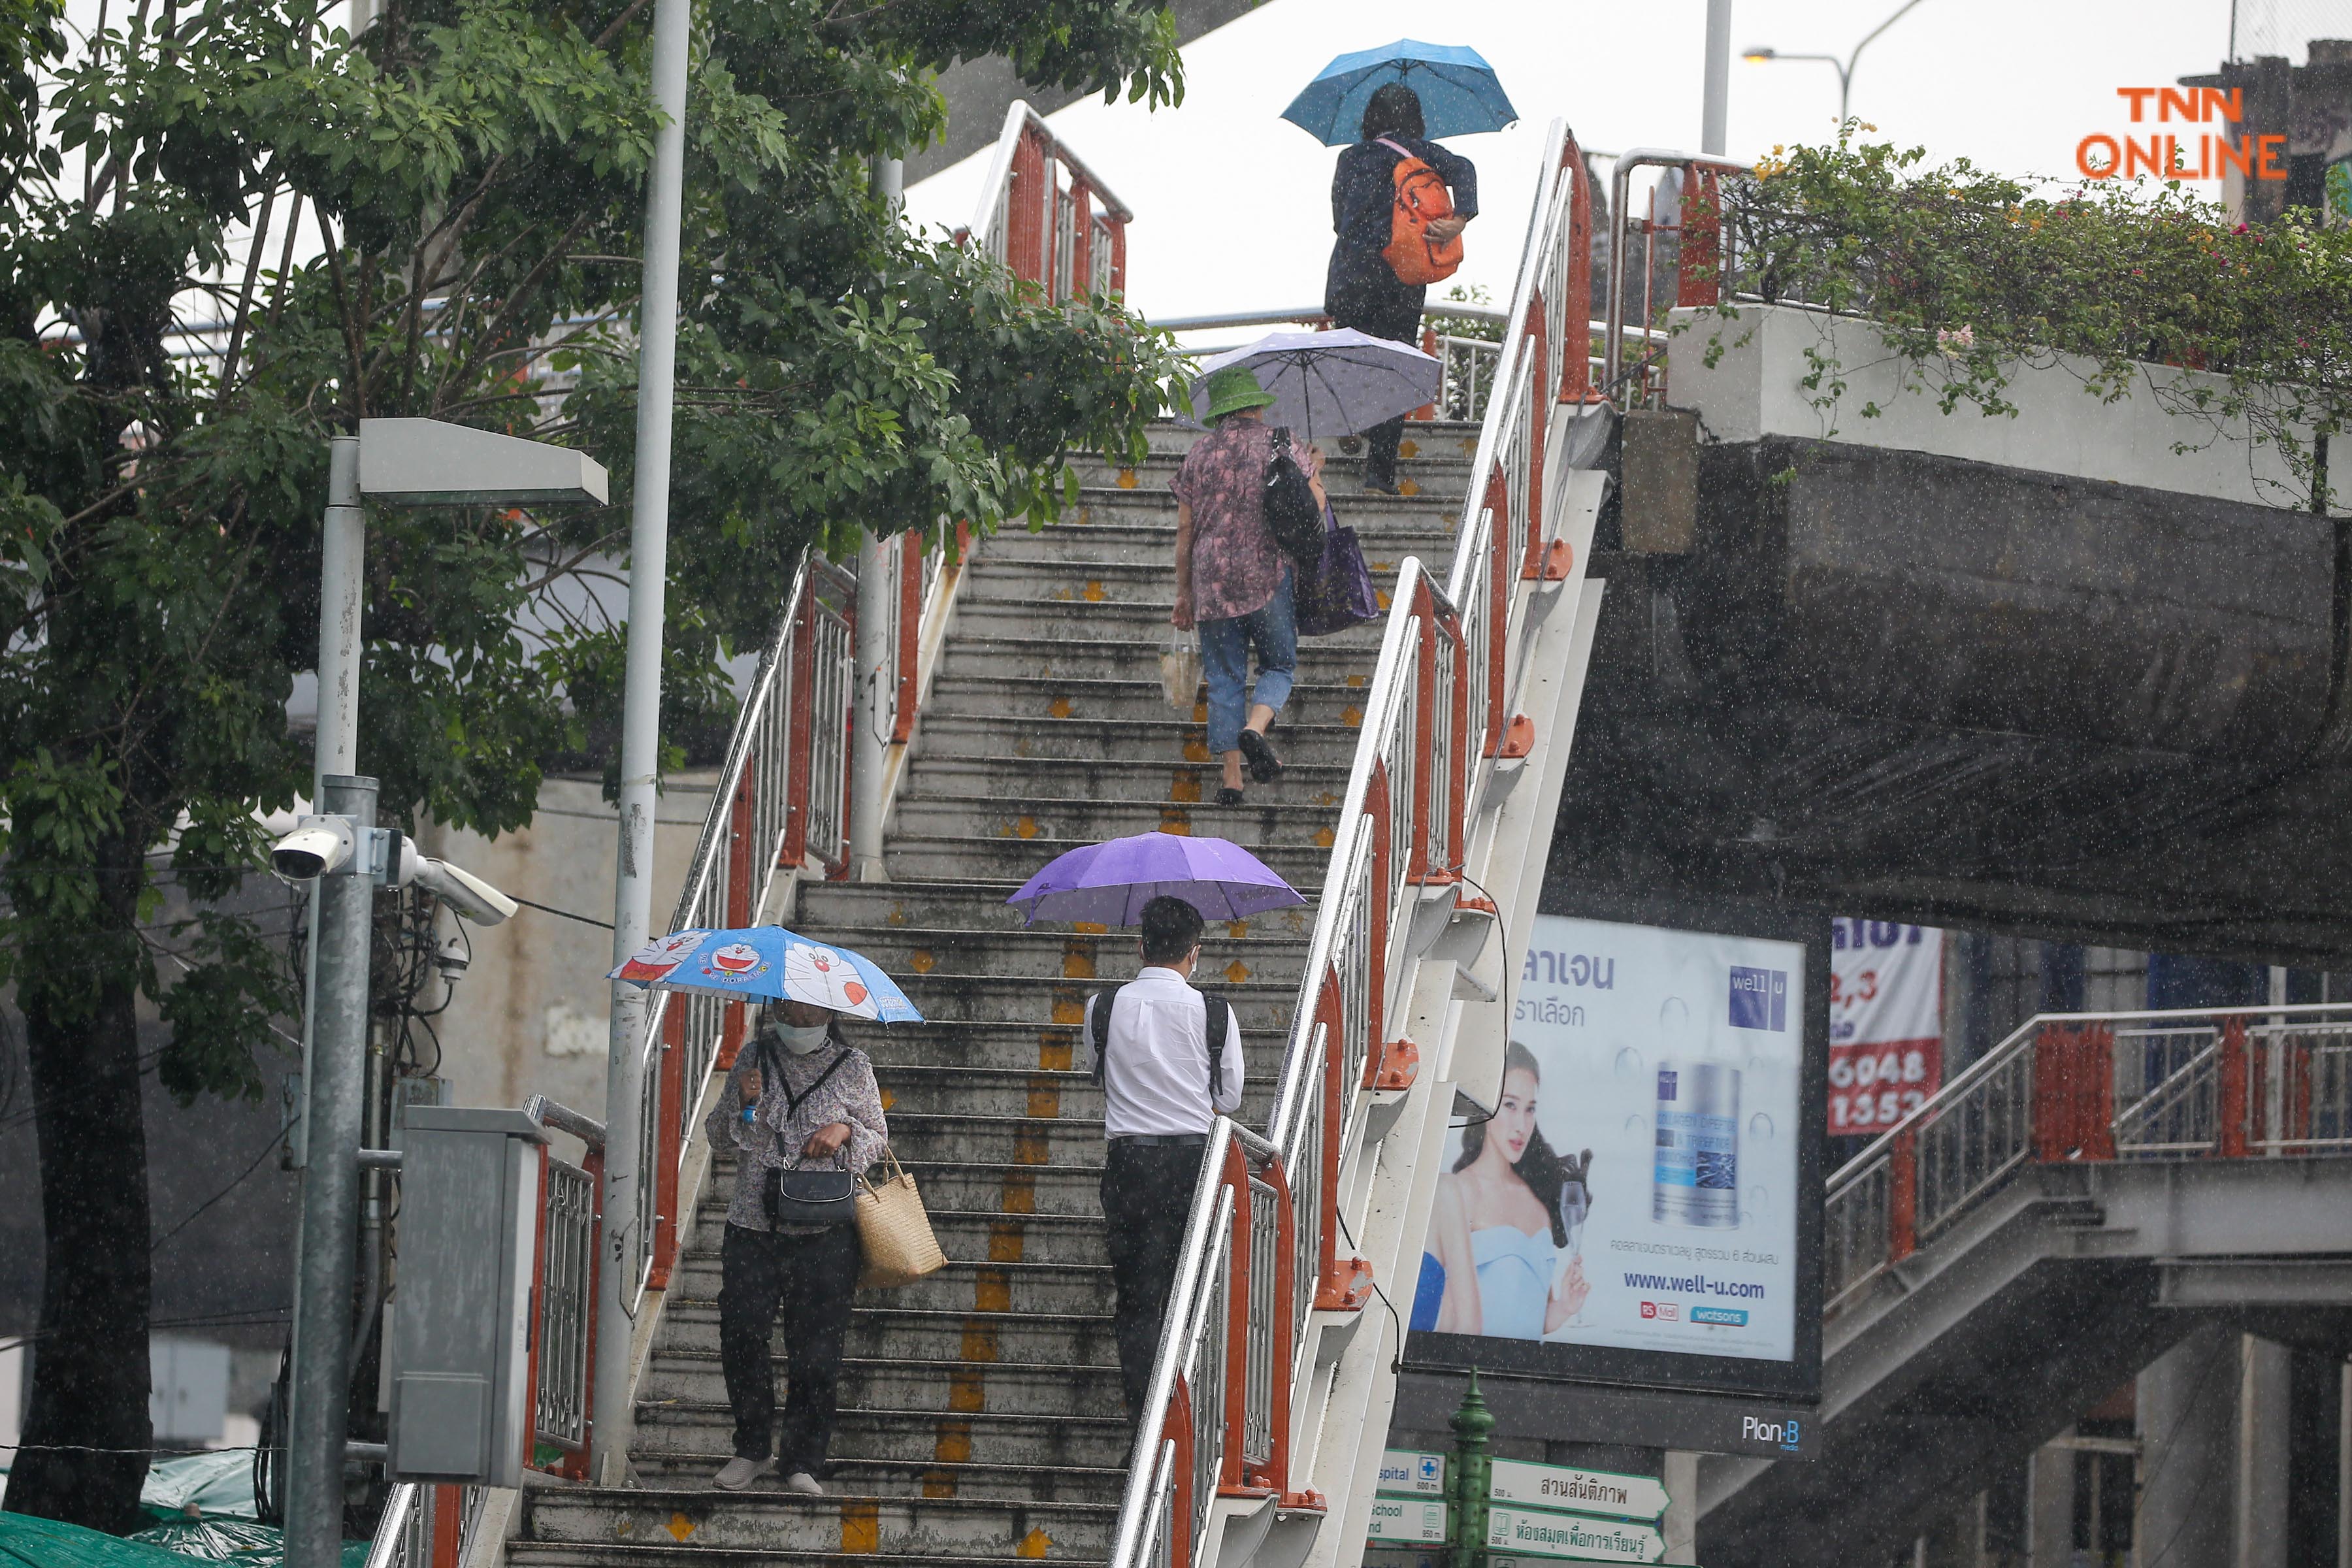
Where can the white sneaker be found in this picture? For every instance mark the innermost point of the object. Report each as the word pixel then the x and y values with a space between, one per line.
pixel 803 1483
pixel 739 1473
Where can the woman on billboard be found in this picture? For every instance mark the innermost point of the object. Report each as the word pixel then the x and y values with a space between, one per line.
pixel 1501 1225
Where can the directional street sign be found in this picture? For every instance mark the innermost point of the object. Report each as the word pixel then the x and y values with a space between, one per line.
pixel 1407 1474
pixel 1529 1534
pixel 1577 1490
pixel 1409 1520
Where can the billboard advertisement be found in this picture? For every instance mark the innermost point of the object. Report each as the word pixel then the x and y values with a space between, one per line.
pixel 1636 1204
pixel 1886 1022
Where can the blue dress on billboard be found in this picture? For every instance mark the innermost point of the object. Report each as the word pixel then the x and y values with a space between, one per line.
pixel 1515 1273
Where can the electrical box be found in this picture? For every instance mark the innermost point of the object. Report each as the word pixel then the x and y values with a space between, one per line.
pixel 469 1201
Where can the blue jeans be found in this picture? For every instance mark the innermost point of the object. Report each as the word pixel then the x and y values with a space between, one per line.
pixel 1273 629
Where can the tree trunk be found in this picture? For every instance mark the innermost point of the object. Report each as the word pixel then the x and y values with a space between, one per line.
pixel 86 1431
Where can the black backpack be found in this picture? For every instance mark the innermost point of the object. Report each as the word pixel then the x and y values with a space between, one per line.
pixel 1212 1037
pixel 1291 514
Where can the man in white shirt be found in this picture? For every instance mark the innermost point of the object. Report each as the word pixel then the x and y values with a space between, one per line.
pixel 1163 1087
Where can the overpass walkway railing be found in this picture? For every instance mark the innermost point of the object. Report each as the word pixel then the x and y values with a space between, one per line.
pixel 1264 1269
pixel 2197 1084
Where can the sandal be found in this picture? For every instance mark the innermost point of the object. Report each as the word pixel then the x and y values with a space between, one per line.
pixel 1264 765
pixel 1228 795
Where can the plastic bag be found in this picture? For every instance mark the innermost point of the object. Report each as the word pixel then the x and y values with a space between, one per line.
pixel 1179 670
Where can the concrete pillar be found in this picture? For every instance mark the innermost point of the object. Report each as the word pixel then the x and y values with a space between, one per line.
pixel 2264 1384
pixel 1681 1476
pixel 2050 1505
pixel 1956 1539
pixel 2188 1412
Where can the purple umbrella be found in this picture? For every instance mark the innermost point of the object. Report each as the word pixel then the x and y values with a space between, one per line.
pixel 1110 883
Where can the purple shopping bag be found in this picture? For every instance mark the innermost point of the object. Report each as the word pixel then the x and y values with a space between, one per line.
pixel 1338 592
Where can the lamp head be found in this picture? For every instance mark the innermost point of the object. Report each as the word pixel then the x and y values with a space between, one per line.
pixel 1758 56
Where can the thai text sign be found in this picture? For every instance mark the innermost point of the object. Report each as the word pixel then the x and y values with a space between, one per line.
pixel 1886 1031
pixel 1577 1490
pixel 1566 1535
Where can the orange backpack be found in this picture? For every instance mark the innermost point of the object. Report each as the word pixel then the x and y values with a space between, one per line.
pixel 1422 199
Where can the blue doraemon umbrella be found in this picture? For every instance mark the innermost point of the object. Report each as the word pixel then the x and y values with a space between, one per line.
pixel 1460 94
pixel 768 963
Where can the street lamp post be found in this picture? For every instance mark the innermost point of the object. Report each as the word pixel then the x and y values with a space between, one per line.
pixel 1845 68
pixel 399 462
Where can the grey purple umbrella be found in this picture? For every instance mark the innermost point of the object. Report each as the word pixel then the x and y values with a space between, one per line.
pixel 1110 883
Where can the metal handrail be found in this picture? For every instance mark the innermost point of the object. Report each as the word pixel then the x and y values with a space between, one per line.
pixel 1396 774
pixel 1620 229
pixel 390 1546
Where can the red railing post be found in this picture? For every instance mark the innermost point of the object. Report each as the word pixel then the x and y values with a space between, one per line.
pixel 666 1104
pixel 536 1337
pixel 448 1525
pixel 1903 1197
pixel 1379 803
pixel 2094 1090
pixel 910 634
pixel 1700 265
pixel 2231 1100
pixel 1576 353
pixel 575 1466
pixel 1458 785
pixel 2053 1092
pixel 1026 209
pixel 1179 1429
pixel 798 735
pixel 1117 257
pixel 1424 731
pixel 1237 1309
pixel 1082 236
pixel 740 912
pixel 1275 1474
pixel 1538 411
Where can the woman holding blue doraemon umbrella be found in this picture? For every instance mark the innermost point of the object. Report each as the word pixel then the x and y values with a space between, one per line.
pixel 801 1098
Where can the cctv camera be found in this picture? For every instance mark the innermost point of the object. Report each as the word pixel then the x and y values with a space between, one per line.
pixel 463 891
pixel 453 957
pixel 317 846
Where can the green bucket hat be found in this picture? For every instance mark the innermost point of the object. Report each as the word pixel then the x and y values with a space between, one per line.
pixel 1233 389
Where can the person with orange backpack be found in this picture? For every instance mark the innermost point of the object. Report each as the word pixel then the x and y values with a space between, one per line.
pixel 1399 201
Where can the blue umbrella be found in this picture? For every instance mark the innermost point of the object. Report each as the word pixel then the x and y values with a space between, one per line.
pixel 768 963
pixel 1460 94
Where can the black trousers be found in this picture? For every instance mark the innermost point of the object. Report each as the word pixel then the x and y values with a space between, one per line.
pixel 809 1281
pixel 1392 312
pixel 1147 1196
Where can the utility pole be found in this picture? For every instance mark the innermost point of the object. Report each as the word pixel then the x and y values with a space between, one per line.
pixel 1715 112
pixel 632 891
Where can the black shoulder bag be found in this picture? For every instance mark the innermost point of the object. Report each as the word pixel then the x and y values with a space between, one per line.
pixel 795 1199
pixel 1291 514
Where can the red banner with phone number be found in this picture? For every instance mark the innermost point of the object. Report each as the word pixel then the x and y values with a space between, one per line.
pixel 1887 1044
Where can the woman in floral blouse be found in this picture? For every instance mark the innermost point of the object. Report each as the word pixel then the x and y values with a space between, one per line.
pixel 1231 580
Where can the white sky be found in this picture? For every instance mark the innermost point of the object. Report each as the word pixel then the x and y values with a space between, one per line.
pixel 1232 206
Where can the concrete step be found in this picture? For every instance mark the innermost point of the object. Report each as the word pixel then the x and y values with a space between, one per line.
pixel 1337 661
pixel 945 1387
pixel 912 1436
pixel 927 1090
pixel 962 1286
pixel 1261 1005
pixel 1053 952
pixel 1143 534
pixel 567 1555
pixel 773 1522
pixel 1061 580
pixel 1137 694
pixel 1430 446
pixel 981 906
pixel 1319 740
pixel 1013 609
pixel 912 1478
pixel 1270 818
pixel 971 1235
pixel 892 1332
pixel 1300 863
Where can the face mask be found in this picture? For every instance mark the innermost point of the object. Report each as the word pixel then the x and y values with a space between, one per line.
pixel 801 1041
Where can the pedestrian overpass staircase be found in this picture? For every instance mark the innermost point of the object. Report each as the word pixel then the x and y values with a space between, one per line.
pixel 2042 1229
pixel 1425 752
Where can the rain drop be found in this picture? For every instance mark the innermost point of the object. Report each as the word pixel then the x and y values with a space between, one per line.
pixel 1629 1064
pixel 1760 1128
pixel 1637 1128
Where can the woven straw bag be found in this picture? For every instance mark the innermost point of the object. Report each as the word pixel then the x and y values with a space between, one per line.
pixel 893 1231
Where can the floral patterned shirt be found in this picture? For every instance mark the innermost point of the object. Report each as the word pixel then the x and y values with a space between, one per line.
pixel 777 1133
pixel 1236 565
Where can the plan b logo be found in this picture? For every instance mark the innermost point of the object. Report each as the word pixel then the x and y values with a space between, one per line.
pixel 1760 999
